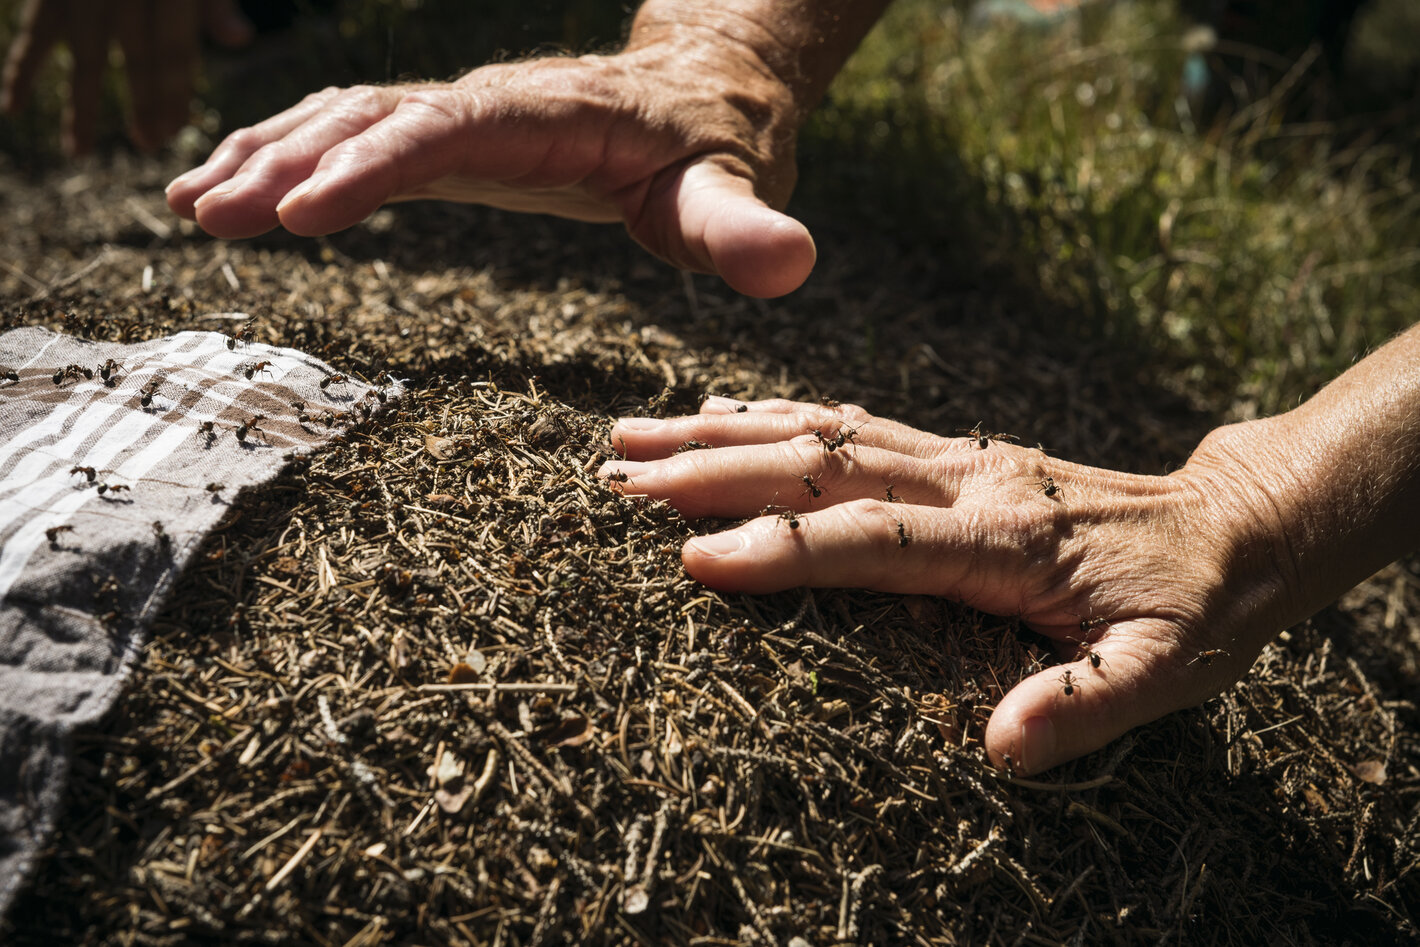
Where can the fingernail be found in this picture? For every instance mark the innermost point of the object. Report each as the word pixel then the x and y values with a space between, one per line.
pixel 639 424
pixel 1037 744
pixel 720 544
pixel 300 191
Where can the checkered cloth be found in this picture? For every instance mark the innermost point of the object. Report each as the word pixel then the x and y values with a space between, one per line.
pixel 115 462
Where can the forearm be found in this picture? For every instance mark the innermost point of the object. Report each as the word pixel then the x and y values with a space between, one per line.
pixel 1339 476
pixel 801 43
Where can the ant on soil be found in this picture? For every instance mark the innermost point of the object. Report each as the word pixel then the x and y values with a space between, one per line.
pixel 1070 682
pixel 88 472
pixel 984 438
pixel 52 534
pixel 255 367
pixel 1050 488
pixel 811 485
pixel 1207 656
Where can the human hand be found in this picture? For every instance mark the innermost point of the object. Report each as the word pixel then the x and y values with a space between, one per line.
pixel 1158 590
pixel 160 40
pixel 688 142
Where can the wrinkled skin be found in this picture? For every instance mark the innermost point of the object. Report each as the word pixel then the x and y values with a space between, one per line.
pixel 1174 583
pixel 691 150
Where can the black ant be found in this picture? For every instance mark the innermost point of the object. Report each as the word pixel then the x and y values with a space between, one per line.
pixel 208 428
pixel 1088 625
pixel 618 476
pixel 52 534
pixel 788 516
pixel 902 538
pixel 891 497
pixel 1050 488
pixel 329 380
pixel 72 372
pixel 113 488
pixel 215 488
pixel 984 438
pixel 9 374
pixel 811 485
pixel 244 334
pixel 164 539
pixel 741 409
pixel 108 368
pixel 255 367
pixel 1093 656
pixel 1207 656
pixel 148 391
pixel 1070 682
pixel 328 418
pixel 300 406
pixel 828 402
pixel 88 472
pixel 249 426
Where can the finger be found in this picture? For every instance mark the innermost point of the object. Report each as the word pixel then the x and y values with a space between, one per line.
pixel 90 50
pixel 495 142
pixel 1048 719
pixel 232 153
pixel 710 220
pixel 223 21
pixel 36 37
pixel 868 544
pixel 649 438
pixel 797 473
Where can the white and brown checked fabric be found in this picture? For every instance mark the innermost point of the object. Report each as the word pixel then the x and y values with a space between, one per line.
pixel 104 495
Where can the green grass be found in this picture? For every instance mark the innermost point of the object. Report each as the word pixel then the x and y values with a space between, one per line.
pixel 1259 255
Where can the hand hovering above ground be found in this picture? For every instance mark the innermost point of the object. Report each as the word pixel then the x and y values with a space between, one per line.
pixel 1160 590
pixel 686 137
pixel 160 41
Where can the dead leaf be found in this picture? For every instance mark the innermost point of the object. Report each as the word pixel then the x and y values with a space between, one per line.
pixel 439 447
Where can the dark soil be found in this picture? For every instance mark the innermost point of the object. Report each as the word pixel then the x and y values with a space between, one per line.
pixel 705 769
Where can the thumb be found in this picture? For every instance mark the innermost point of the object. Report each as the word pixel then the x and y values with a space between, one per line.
pixel 724 228
pixel 1072 709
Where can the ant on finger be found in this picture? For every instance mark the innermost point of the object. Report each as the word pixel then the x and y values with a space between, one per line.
pixel 788 515
pixel 811 485
pixel 902 537
pixel 1207 656
pixel 1070 681
pixel 1050 488
pixel 1093 656
pixel 983 438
